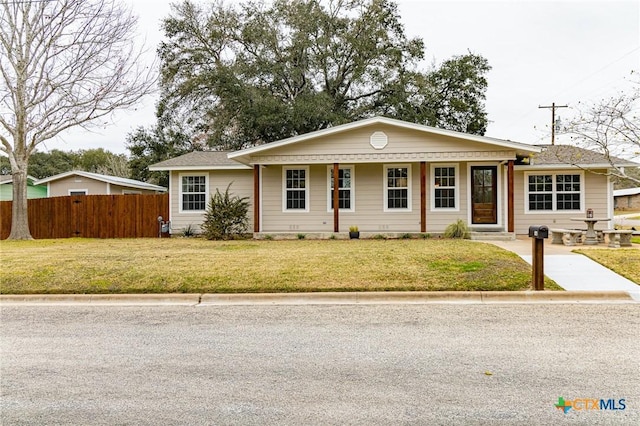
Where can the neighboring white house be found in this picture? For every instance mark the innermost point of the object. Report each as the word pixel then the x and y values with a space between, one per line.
pixel 84 183
pixel 388 177
pixel 627 199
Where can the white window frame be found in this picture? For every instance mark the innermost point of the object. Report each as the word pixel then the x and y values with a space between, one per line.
pixel 307 183
pixel 86 192
pixel 432 185
pixel 385 183
pixel 351 188
pixel 180 193
pixel 554 191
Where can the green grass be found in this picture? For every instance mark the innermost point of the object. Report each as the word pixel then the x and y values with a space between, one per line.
pixel 625 262
pixel 197 266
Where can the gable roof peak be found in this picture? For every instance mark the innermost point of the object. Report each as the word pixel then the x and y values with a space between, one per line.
pixel 244 154
pixel 116 180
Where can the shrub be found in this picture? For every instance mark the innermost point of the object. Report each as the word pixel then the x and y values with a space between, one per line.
pixel 302 236
pixel 189 231
pixel 405 236
pixel 458 229
pixel 226 216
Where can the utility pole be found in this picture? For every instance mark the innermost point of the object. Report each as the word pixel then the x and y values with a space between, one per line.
pixel 553 107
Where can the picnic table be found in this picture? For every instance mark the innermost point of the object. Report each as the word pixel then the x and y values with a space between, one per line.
pixel 591 238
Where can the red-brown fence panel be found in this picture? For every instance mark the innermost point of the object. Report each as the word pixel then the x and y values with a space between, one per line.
pixel 91 216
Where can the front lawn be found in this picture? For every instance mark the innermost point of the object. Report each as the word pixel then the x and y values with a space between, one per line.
pixel 188 265
pixel 625 262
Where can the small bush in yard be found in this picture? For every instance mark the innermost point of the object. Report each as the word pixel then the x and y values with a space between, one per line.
pixel 226 216
pixel 458 229
pixel 189 231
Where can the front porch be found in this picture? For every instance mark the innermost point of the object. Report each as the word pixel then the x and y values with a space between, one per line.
pixel 383 199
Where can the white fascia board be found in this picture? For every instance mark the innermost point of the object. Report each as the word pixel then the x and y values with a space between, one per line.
pixel 56 177
pixel 198 168
pixel 563 166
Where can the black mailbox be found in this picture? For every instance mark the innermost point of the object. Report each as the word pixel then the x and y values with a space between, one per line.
pixel 539 231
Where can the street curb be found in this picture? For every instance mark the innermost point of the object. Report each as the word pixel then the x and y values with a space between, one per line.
pixel 96 299
pixel 417 297
pixel 324 298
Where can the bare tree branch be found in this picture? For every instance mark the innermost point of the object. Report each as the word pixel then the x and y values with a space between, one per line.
pixel 612 128
pixel 63 64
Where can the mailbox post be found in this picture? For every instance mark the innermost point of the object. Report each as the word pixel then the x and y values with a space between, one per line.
pixel 538 235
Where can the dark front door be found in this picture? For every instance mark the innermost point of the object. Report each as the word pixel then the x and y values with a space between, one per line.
pixel 484 197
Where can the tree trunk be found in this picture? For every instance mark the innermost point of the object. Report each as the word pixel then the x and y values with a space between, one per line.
pixel 19 216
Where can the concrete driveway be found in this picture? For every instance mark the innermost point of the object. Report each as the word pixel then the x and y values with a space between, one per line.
pixel 318 365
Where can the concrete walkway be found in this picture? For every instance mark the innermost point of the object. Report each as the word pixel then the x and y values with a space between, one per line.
pixel 572 271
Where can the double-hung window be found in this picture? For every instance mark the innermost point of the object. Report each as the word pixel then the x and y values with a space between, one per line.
pixel 554 192
pixel 568 192
pixel 296 189
pixel 345 189
pixel 397 191
pixel 193 192
pixel 540 192
pixel 444 184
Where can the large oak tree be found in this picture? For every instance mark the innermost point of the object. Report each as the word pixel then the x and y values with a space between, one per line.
pixel 63 64
pixel 263 71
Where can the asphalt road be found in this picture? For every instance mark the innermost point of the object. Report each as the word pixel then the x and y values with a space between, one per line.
pixel 382 364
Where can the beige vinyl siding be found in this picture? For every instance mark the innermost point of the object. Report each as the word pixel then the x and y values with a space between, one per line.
pixel 595 189
pixel 368 198
pixel 118 190
pixel 399 141
pixel 216 179
pixel 370 214
pixel 316 219
pixel 438 220
pixel 61 187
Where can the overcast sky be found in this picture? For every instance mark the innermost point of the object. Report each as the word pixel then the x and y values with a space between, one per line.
pixel 567 52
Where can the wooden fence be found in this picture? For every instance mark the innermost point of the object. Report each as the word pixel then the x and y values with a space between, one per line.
pixel 91 216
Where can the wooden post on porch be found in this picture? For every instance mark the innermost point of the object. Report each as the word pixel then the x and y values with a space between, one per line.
pixel 510 201
pixel 336 197
pixel 423 197
pixel 256 198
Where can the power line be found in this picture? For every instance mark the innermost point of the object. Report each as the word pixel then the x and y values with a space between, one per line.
pixel 527 112
pixel 553 107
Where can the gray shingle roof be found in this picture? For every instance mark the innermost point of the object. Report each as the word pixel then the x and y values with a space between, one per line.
pixel 197 159
pixel 569 154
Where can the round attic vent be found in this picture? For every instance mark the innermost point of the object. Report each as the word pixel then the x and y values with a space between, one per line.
pixel 378 140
